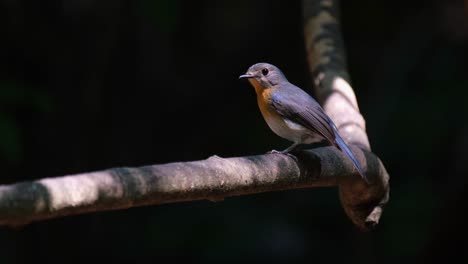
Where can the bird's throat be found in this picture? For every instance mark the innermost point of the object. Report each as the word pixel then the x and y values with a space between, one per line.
pixel 258 87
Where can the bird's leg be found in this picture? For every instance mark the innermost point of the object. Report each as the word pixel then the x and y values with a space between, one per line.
pixel 290 148
pixel 286 151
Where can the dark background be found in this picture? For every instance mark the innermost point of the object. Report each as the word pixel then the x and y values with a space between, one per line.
pixel 89 85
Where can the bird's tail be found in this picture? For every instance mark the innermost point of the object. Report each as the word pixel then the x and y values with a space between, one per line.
pixel 343 147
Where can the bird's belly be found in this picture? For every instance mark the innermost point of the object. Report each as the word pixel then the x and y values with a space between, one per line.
pixel 287 130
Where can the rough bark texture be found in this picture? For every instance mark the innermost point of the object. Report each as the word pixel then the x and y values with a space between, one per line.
pixel 212 179
pixel 327 63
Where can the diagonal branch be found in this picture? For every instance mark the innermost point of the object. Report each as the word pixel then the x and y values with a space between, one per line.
pixel 211 179
pixel 327 63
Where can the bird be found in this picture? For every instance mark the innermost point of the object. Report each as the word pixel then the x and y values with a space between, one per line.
pixel 292 113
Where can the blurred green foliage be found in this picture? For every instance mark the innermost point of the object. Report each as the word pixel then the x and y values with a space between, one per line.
pixel 164 13
pixel 13 99
pixel 10 144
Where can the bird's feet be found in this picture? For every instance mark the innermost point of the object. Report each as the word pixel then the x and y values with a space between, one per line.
pixel 282 152
pixel 274 151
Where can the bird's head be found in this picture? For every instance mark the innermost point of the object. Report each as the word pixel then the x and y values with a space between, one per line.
pixel 264 76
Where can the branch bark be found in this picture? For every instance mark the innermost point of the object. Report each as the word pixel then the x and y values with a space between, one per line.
pixel 363 203
pixel 212 179
pixel 216 178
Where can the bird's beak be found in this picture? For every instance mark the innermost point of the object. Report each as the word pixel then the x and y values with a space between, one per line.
pixel 247 75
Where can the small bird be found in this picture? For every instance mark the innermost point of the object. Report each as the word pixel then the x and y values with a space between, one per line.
pixel 292 113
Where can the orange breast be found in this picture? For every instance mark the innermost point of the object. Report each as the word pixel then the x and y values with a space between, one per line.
pixel 263 95
pixel 273 119
pixel 267 112
pixel 282 127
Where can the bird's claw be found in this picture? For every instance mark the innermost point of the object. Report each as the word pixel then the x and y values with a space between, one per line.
pixel 274 151
pixel 282 152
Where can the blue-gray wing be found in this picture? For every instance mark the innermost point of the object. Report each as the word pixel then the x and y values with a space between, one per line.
pixel 296 105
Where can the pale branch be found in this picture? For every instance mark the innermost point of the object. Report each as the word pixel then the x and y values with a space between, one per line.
pixel 212 179
pixel 327 63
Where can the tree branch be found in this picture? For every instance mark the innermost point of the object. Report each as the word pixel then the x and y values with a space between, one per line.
pixel 217 178
pixel 212 179
pixel 327 63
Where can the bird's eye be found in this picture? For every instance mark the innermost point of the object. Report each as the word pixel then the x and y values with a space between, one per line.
pixel 265 71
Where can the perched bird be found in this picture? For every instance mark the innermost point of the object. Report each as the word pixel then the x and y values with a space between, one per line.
pixel 292 113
